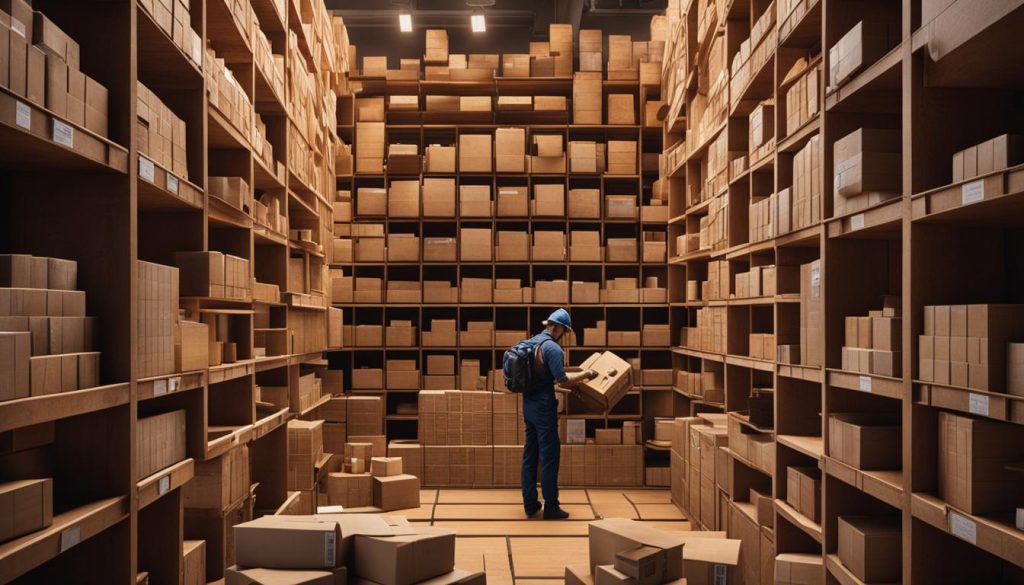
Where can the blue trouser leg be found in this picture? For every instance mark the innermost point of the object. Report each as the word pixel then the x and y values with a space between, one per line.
pixel 547 436
pixel 529 473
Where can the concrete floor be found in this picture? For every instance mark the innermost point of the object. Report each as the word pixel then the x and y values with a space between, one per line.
pixel 494 536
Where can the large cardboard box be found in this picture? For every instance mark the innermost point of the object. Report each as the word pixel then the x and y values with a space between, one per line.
pixel 403 199
pixel 396 492
pixel 548 245
pixel 621 108
pixel 296 543
pixel 438 197
pixel 512 246
pixel 475 153
pixel 870 547
pixel 584 203
pixel 799 569
pixel 476 244
pixel 587 103
pixel 549 200
pixel 510 150
pixel 26 506
pixel 864 44
pixel 610 537
pixel 974 456
pixel 349 490
pixel 475 201
pixel 405 559
pixel 867 160
pixel 513 201
pixel 865 441
pixel 440 159
pixel 159 442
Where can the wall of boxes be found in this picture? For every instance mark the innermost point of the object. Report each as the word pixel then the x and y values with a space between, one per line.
pixel 826 217
pixel 482 192
pixel 167 178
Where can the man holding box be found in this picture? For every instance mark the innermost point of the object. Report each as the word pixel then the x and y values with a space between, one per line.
pixel 540 412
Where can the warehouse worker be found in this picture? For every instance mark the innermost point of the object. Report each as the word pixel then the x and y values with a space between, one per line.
pixel 540 412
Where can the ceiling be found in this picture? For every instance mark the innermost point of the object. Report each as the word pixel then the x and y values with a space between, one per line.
pixel 511 24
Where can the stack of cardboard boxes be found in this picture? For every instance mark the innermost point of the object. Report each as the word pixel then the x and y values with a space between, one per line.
pixel 867 169
pixel 46 337
pixel 811 314
pixel 862 45
pixel 159 442
pixel 802 97
pixel 873 344
pixel 161 135
pixel 227 96
pixel 996 154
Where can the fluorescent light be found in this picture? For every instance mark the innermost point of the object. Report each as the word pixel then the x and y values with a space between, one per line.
pixel 405 22
pixel 478 22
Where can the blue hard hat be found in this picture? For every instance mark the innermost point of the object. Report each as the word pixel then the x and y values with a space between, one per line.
pixel 559 317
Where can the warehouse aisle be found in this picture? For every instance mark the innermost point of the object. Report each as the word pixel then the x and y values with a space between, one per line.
pixel 494 537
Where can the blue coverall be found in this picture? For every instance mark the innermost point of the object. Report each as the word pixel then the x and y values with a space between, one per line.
pixel 540 411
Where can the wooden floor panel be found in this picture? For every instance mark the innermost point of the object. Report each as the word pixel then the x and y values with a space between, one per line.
pixel 501 512
pixel 545 556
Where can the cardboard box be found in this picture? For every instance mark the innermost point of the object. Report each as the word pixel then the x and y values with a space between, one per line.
pixel 220 482
pixel 510 150
pixel 235 575
pixel 475 153
pixel 799 569
pixel 194 562
pixel 475 244
pixel 870 547
pixel 438 197
pixel 612 536
pixel 972 467
pixel 159 442
pixel 404 559
pixel 396 492
pixel 584 203
pixel 549 200
pixel 349 490
pixel 803 491
pixel 865 441
pixel 864 44
pixel 621 109
pixel 296 543
pixel 440 159
pixel 475 201
pixel 613 381
pixel 15 354
pixel 26 506
pixel 513 201
pixel 622 157
pixel 608 436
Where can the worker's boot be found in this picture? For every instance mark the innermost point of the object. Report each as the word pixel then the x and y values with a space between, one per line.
pixel 556 514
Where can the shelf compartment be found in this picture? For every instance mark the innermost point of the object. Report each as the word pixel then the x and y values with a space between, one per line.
pixel 997 536
pixel 812 529
pixel 992 405
pixel 989 200
pixel 867 383
pixel 885 486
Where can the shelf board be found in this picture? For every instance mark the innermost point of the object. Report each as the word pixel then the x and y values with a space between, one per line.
pixel 839 572
pixel 813 447
pixel 795 141
pixel 747 463
pixel 271 21
pixel 232 371
pixel 161 63
pixel 804 237
pixel 269 423
pixel 982 201
pixel 167 192
pixel 163 385
pixel 312 408
pixel 696 353
pixel 69 528
pixel 998 536
pixel 154 487
pixel 744 420
pixel 803 26
pixel 808 373
pixel 871 90
pixel 34 148
pixel 886 486
pixel 867 383
pixel 264 178
pixel 23 412
pixel 221 134
pixel 994 405
pixel 805 524
pixel 221 213
pixel 223 33
pixel 221 439
pixel 267 100
pixel 884 220
pixel 751 363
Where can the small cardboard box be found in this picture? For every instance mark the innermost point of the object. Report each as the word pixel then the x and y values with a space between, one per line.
pixel 865 441
pixel 475 244
pixel 26 506
pixel 475 153
pixel 160 442
pixel 549 200
pixel 610 537
pixel 438 197
pixel 584 203
pixel 613 381
pixel 405 559
pixel 513 201
pixel 475 201
pixel 396 491
pixel 440 159
pixel 621 109
pixel 608 436
pixel 296 543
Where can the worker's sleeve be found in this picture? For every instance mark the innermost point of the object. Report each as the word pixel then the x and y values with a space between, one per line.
pixel 554 357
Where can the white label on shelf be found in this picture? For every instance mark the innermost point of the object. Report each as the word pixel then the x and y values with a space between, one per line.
pixel 977 404
pixel 973 191
pixel 63 133
pixel 816 282
pixel 159 387
pixel 70 537
pixel 857 222
pixel 175 383
pixel 23 115
pixel 172 183
pixel 329 547
pixel 146 169
pixel 963 527
pixel 864 383
pixel 18 27
pixel 163 485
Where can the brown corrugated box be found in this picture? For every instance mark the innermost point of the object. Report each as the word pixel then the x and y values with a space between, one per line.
pixel 870 547
pixel 26 505
pixel 865 441
pixel 159 442
pixel 475 153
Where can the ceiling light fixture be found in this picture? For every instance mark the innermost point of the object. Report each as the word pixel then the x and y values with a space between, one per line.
pixel 477 19
pixel 405 22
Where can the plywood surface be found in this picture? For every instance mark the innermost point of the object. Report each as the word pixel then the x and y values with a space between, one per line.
pixel 500 512
pixel 514 528
pixel 502 496
pixel 659 512
pixel 546 557
pixel 648 496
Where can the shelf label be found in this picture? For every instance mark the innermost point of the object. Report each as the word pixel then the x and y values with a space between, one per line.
pixel 857 222
pixel 973 191
pixel 963 527
pixel 163 485
pixel 23 115
pixel 977 404
pixel 175 383
pixel 146 169
pixel 63 133
pixel 864 383
pixel 70 537
pixel 172 183
pixel 159 387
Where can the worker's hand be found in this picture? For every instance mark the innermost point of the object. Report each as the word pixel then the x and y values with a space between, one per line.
pixel 591 374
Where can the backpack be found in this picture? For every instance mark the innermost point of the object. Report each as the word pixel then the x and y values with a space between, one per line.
pixel 518 365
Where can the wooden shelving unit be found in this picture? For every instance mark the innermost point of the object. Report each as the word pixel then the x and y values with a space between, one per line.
pixel 104 204
pixel 929 245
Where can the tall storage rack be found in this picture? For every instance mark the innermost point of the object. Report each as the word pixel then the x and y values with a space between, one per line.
pixel 104 204
pixel 423 128
pixel 944 84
